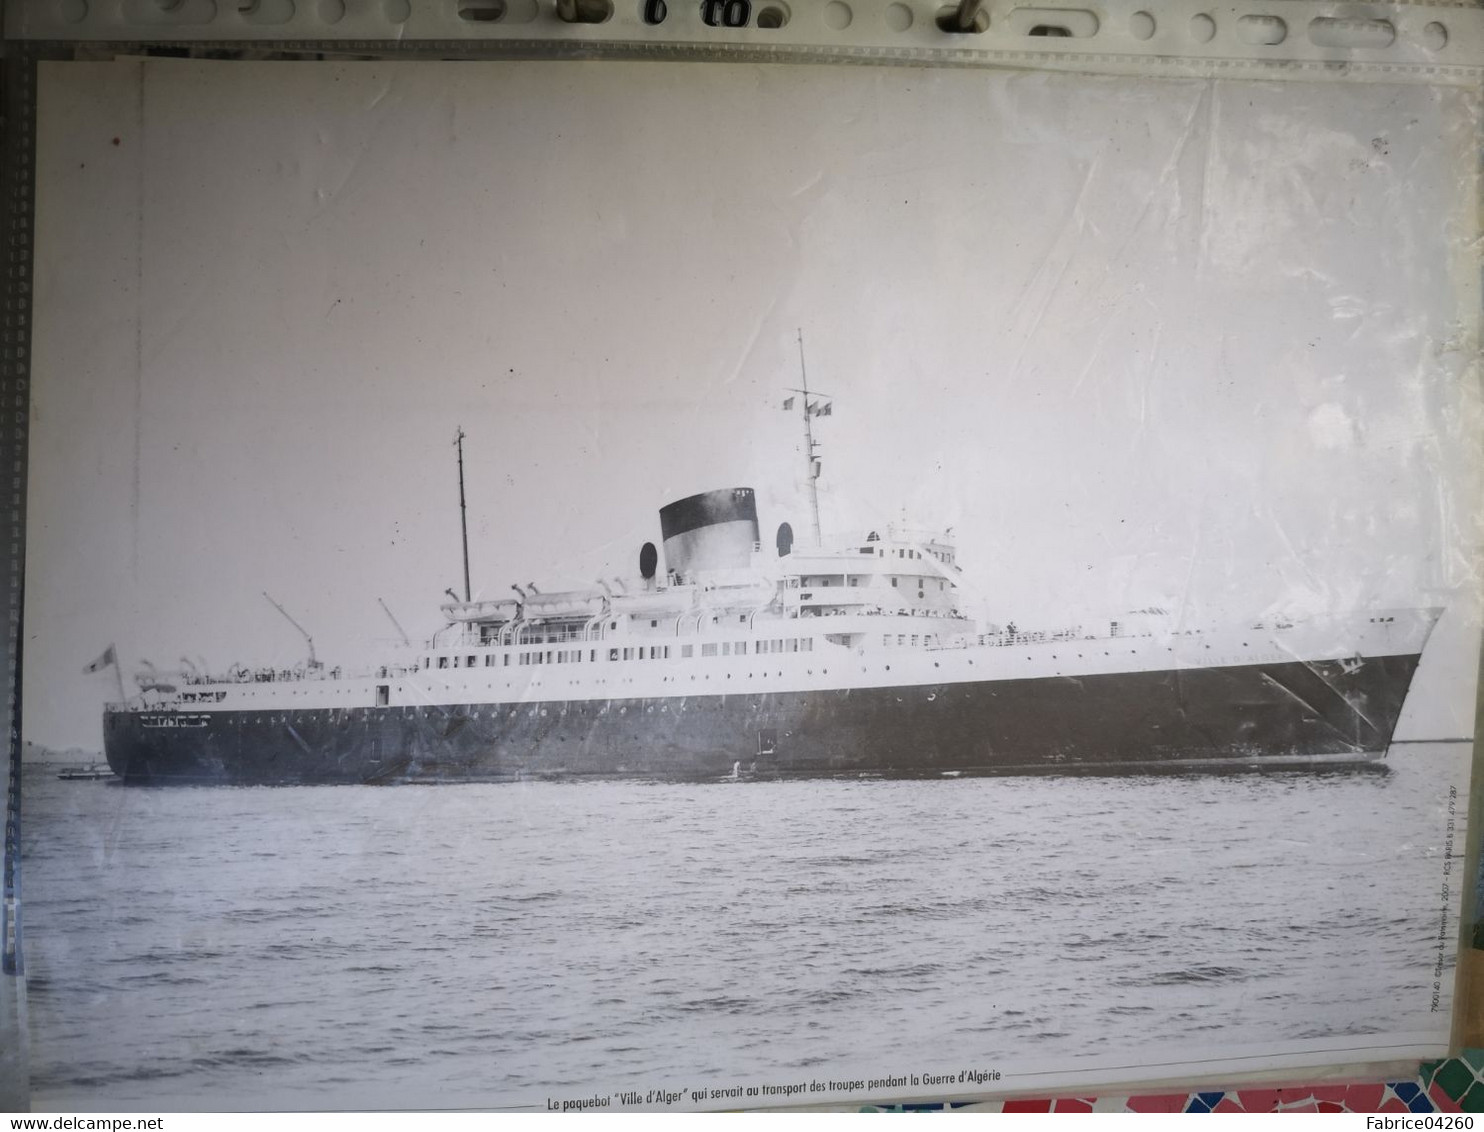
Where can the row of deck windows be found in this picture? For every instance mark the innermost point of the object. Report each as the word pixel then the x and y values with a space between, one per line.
pixel 941 557
pixel 634 652
pixel 642 652
pixel 825 581
pixel 903 552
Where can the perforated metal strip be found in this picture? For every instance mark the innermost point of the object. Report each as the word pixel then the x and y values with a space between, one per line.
pixel 16 163
pixel 1435 42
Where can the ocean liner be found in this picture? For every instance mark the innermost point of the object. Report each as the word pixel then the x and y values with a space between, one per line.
pixel 729 658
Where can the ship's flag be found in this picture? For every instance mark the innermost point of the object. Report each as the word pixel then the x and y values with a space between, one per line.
pixel 788 403
pixel 108 658
pixel 820 408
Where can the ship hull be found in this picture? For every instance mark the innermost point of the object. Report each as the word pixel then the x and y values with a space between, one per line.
pixel 1268 714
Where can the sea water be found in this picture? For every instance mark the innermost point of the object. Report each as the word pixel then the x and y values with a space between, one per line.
pixel 476 945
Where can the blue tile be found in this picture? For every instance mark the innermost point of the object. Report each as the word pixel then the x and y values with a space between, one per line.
pixel 1421 1103
pixel 1406 1090
pixel 1211 1100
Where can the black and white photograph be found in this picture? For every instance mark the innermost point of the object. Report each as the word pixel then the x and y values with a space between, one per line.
pixel 633 585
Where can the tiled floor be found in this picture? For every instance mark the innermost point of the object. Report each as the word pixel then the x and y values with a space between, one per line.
pixel 1455 1085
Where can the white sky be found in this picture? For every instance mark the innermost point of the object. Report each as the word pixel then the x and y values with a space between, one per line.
pixel 1176 342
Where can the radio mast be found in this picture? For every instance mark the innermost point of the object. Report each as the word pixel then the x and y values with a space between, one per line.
pixel 463 513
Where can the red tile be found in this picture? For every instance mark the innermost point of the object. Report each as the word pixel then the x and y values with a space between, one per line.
pixel 1395 1104
pixel 1260 1100
pixel 1440 1098
pixel 1169 1102
pixel 1365 1098
pixel 1226 1104
pixel 1027 1106
pixel 1069 1105
pixel 1328 1092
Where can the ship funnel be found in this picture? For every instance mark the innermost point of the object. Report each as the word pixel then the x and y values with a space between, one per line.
pixel 716 530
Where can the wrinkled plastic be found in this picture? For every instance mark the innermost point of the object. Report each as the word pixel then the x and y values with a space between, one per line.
pixel 1172 360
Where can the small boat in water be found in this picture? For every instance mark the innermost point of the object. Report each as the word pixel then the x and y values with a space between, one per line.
pixel 87 771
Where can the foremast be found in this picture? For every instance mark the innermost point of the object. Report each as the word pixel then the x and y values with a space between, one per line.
pixel 810 409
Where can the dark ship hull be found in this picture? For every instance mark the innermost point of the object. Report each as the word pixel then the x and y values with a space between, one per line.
pixel 1115 723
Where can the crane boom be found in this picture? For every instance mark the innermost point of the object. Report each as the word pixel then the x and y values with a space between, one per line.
pixel 313 660
pixel 400 631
